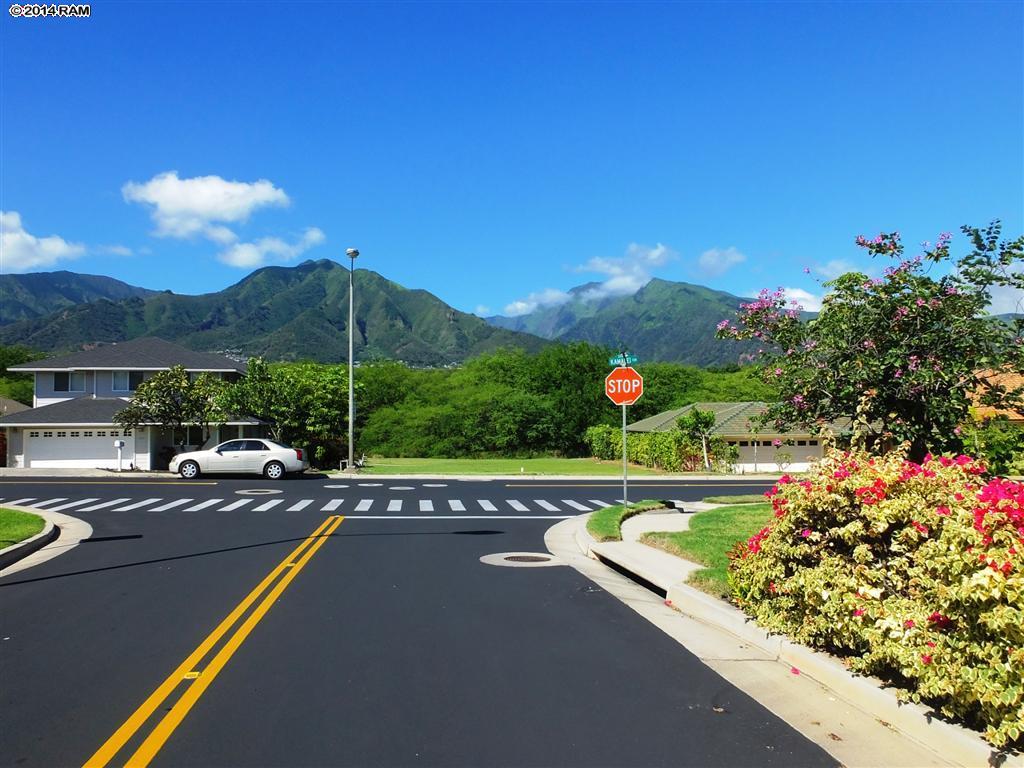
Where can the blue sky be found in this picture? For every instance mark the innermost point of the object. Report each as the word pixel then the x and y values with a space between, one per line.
pixel 500 154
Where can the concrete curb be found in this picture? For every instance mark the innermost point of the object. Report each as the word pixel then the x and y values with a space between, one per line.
pixel 956 743
pixel 69 532
pixel 12 554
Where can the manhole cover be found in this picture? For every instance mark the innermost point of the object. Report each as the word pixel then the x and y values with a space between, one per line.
pixel 259 492
pixel 335 486
pixel 521 560
pixel 435 485
pixel 400 488
pixel 370 485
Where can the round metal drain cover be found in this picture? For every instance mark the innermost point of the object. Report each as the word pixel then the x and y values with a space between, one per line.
pixel 259 492
pixel 335 486
pixel 521 560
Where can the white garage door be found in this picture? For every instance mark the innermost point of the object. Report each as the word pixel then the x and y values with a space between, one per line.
pixel 77 448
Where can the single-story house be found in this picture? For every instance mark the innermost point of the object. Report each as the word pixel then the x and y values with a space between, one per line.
pixel 763 449
pixel 71 423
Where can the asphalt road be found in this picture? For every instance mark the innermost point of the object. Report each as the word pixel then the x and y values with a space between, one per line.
pixel 382 641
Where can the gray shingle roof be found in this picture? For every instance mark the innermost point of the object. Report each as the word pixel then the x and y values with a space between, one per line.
pixel 11 406
pixel 82 411
pixel 731 420
pixel 147 353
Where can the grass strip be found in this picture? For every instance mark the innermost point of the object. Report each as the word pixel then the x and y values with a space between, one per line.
pixel 538 466
pixel 606 524
pixel 17 526
pixel 712 534
pixel 742 498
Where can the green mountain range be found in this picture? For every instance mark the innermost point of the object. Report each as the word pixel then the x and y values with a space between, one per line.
pixel 663 321
pixel 23 297
pixel 281 313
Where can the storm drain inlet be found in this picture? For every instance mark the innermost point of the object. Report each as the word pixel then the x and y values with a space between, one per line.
pixel 521 559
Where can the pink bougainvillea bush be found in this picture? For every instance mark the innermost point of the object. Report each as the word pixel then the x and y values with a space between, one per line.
pixel 913 572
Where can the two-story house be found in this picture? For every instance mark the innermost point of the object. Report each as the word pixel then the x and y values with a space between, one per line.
pixel 71 423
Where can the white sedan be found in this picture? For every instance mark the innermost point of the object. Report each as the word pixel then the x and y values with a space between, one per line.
pixel 262 456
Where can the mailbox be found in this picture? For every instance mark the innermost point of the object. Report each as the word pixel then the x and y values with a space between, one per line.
pixel 119 443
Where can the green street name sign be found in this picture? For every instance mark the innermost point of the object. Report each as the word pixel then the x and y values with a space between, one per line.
pixel 624 359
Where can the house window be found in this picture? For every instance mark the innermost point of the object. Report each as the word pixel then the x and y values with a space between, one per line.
pixel 801 442
pixel 127 433
pixel 744 443
pixel 193 435
pixel 75 434
pixel 812 442
pixel 47 434
pixel 114 433
pixel 126 381
pixel 33 434
pixel 62 434
pixel 87 433
pixel 766 443
pixel 101 433
pixel 73 381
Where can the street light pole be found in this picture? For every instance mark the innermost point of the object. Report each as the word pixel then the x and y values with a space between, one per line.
pixel 352 253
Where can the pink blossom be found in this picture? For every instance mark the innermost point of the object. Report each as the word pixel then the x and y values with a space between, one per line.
pixel 806 532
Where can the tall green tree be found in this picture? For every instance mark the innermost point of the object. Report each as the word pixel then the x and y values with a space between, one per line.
pixel 697 425
pixel 903 355
pixel 174 399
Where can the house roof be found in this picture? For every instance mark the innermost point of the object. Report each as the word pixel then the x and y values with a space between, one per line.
pixel 148 354
pixel 81 412
pixel 11 406
pixel 731 420
pixel 1006 379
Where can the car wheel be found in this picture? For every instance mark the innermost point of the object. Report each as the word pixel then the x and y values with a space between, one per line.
pixel 274 470
pixel 189 470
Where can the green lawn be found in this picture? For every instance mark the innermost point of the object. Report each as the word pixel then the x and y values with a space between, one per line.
pixel 605 524
pixel 544 466
pixel 712 534
pixel 743 498
pixel 17 526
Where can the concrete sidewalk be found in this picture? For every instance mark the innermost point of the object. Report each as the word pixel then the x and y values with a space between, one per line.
pixel 855 718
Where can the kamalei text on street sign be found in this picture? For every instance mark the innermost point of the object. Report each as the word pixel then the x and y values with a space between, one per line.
pixel 624 359
pixel 624 386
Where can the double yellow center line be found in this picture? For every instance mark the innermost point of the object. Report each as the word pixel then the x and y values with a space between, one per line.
pixel 198 680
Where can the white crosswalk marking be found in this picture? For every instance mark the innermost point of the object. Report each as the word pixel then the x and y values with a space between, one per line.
pixel 576 505
pixel 137 505
pixel 203 505
pixel 70 504
pixel 545 505
pixel 518 506
pixel 104 505
pixel 267 505
pixel 426 505
pixel 235 505
pixel 22 501
pixel 299 505
pixel 170 505
pixel 486 505
pixel 395 505
pixel 331 505
pixel 599 503
pixel 364 505
pixel 456 505
pixel 50 501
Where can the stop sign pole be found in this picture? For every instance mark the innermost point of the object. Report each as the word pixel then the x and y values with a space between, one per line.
pixel 624 386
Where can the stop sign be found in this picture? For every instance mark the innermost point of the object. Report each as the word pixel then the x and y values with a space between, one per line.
pixel 624 386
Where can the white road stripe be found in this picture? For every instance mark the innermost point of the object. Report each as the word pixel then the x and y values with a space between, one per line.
pixel 236 505
pixel 364 505
pixel 299 505
pixel 203 505
pixel 267 505
pixel 545 505
pixel 576 505
pixel 22 501
pixel 517 505
pixel 602 504
pixel 486 505
pixel 395 505
pixel 137 505
pixel 50 501
pixel 458 517
pixel 170 505
pixel 426 505
pixel 331 505
pixel 104 505
pixel 456 505
pixel 70 504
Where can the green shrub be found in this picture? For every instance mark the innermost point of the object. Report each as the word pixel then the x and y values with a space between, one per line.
pixel 912 571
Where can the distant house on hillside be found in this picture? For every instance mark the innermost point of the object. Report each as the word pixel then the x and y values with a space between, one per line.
pixel 76 396
pixel 760 449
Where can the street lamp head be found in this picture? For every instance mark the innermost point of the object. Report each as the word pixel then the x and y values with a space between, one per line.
pixel 351 252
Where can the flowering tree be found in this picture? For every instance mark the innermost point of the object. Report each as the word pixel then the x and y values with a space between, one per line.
pixel 904 355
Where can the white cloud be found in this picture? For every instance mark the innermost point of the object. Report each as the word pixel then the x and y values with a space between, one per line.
pixel 1006 300
pixel 256 254
pixel 716 261
pixel 835 268
pixel 546 298
pixel 806 300
pixel 20 251
pixel 628 274
pixel 200 205
pixel 114 250
pixel 482 310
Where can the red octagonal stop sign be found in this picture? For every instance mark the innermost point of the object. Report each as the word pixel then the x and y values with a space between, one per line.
pixel 624 386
